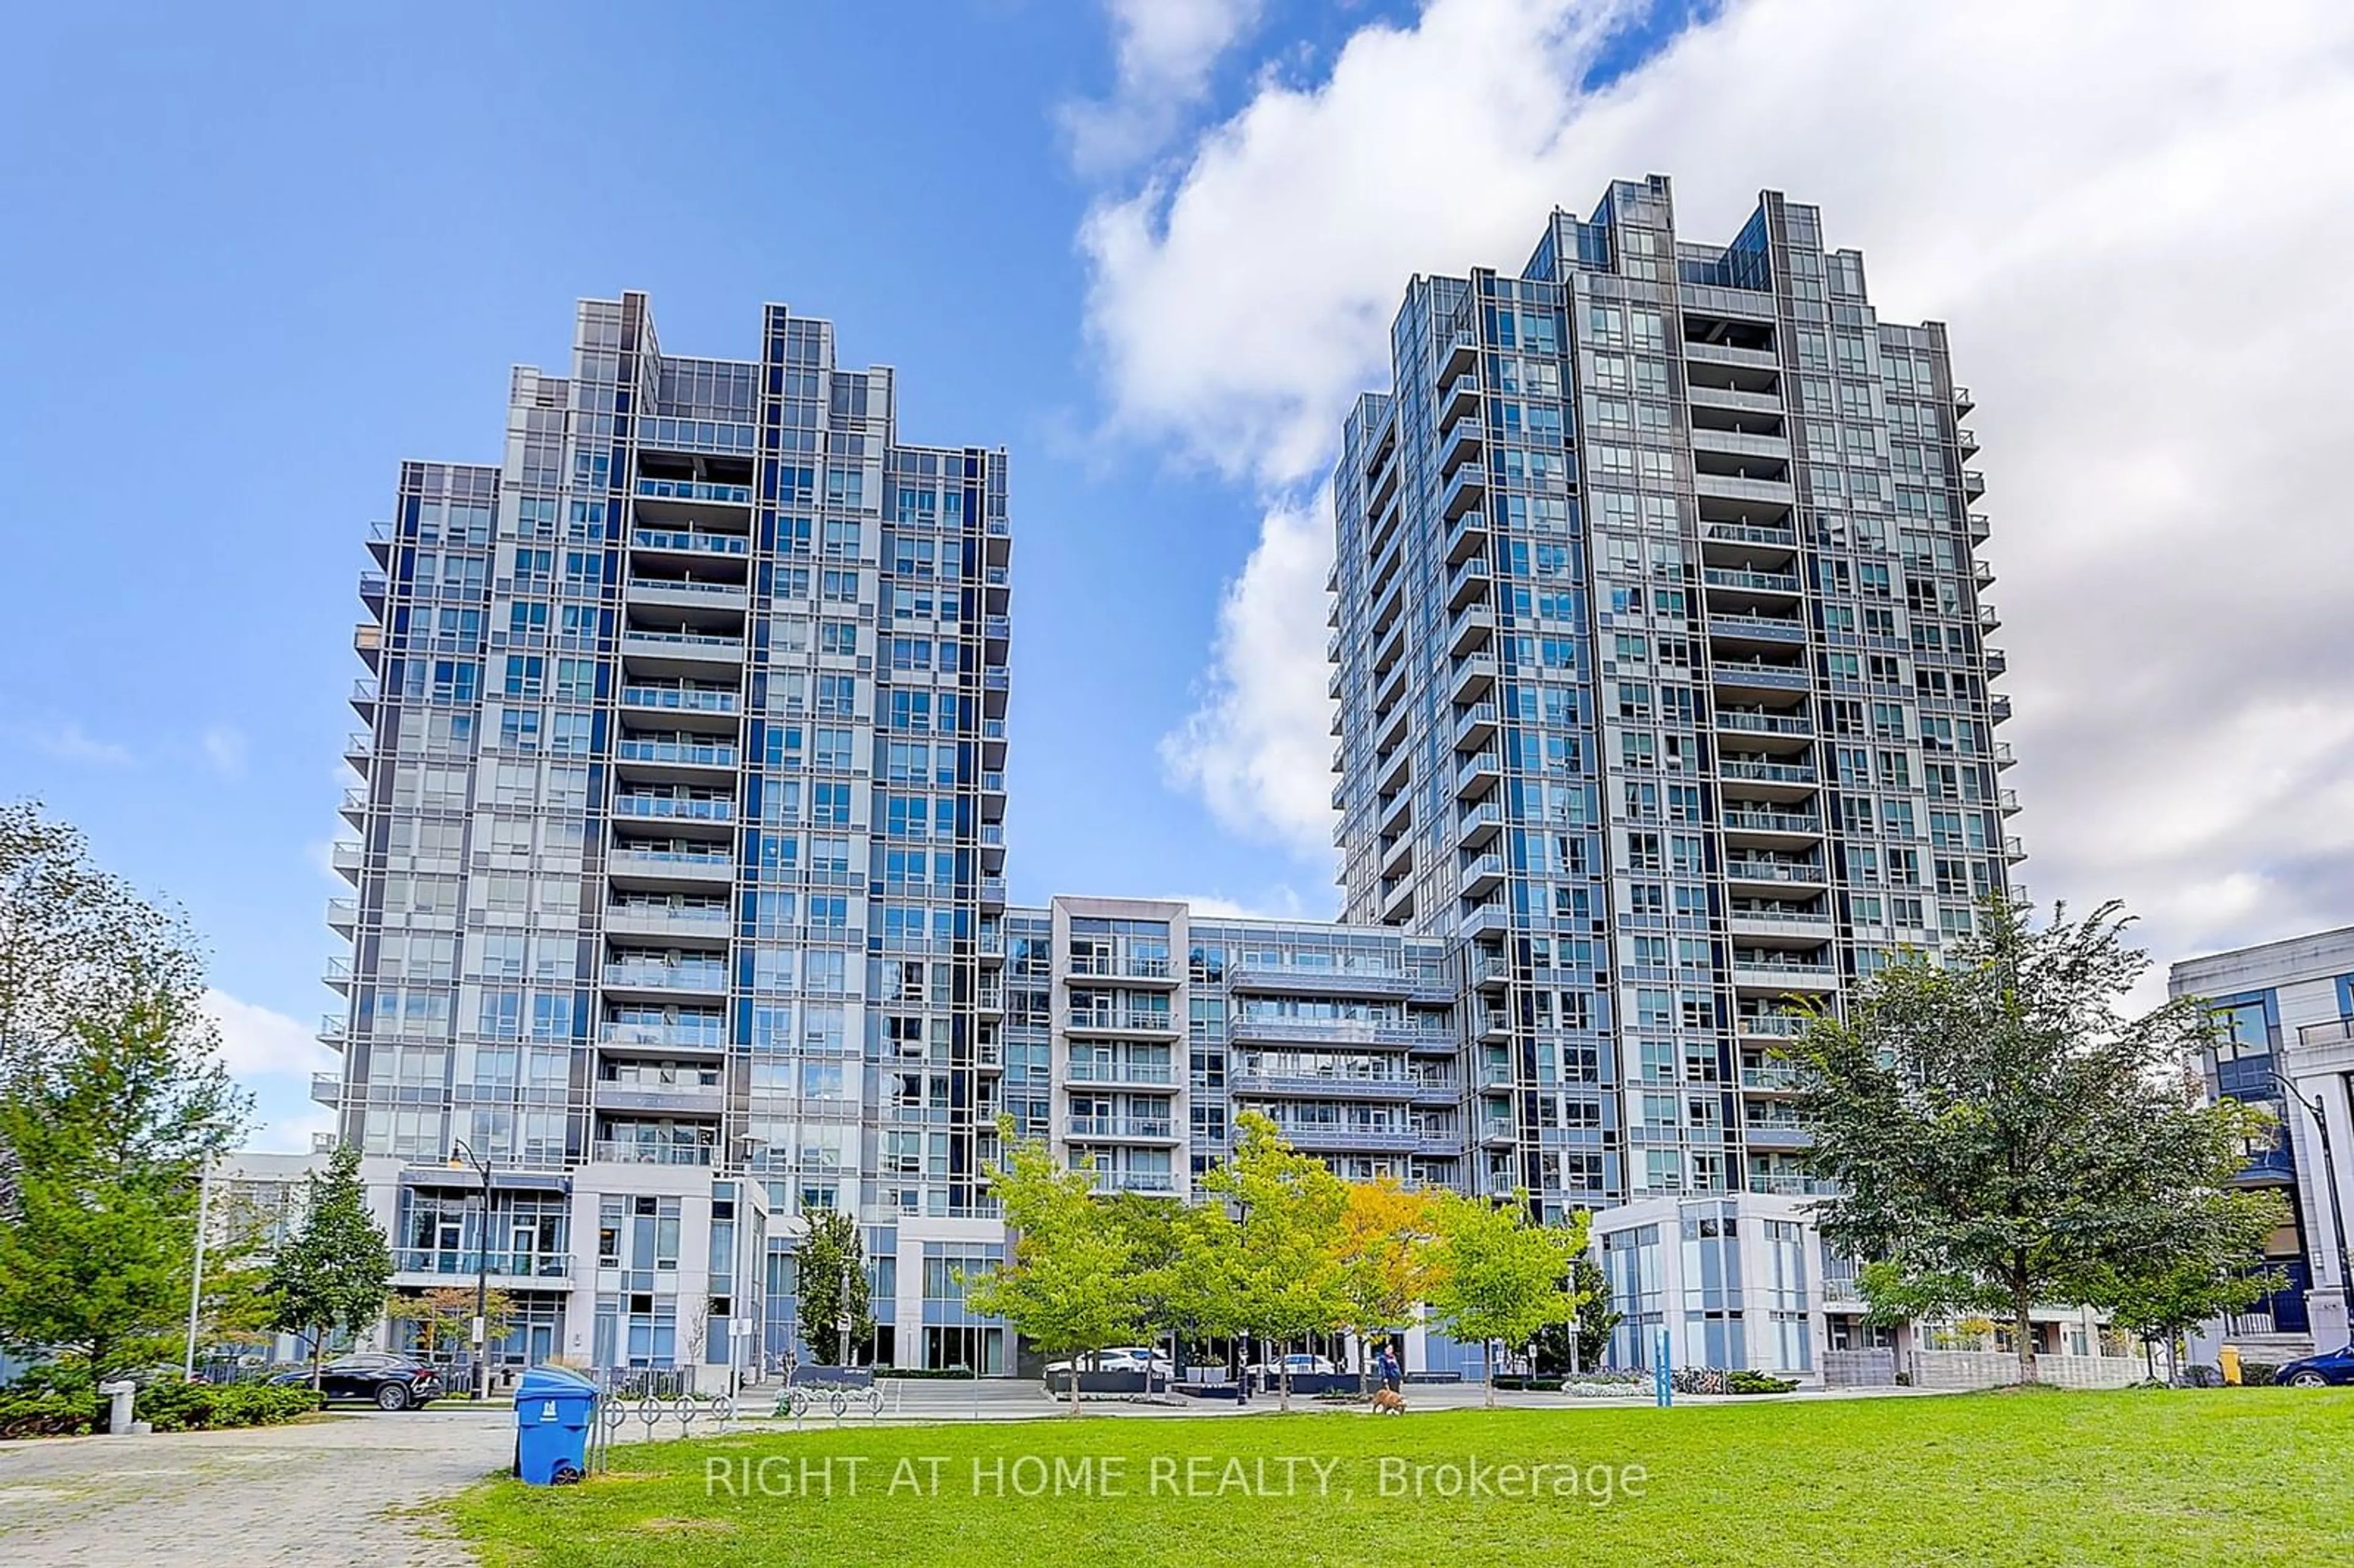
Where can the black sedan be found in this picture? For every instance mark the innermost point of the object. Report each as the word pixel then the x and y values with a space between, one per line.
pixel 387 1382
pixel 2318 1371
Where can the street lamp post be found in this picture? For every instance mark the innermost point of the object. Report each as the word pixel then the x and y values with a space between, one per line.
pixel 461 1155
pixel 2313 1108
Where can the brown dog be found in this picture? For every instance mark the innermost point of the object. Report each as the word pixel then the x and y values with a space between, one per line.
pixel 1388 1402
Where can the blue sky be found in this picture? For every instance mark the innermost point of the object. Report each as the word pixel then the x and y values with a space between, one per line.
pixel 268 253
pixel 255 257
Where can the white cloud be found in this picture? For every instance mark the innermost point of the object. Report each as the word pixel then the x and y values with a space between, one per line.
pixel 225 749
pixel 69 742
pixel 257 1042
pixel 289 1133
pixel 1280 902
pixel 2133 219
pixel 1163 51
pixel 1257 748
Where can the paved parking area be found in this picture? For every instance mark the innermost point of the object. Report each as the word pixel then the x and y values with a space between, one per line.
pixel 348 1490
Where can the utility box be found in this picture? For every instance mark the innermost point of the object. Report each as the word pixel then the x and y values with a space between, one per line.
pixel 553 1410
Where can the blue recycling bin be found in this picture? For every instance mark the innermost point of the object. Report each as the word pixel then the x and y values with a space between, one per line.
pixel 553 1409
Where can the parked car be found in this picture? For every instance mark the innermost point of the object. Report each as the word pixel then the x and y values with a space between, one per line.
pixel 386 1381
pixel 1299 1364
pixel 2334 1367
pixel 1121 1359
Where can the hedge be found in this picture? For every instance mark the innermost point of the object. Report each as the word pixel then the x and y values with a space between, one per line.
pixel 169 1406
pixel 176 1406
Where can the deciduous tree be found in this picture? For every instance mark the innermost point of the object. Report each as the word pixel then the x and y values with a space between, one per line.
pixel 830 1279
pixel 1502 1277
pixel 2000 1131
pixel 1070 1283
pixel 1281 1277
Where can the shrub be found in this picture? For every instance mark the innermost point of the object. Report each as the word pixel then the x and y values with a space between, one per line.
pixel 41 1413
pixel 1746 1381
pixel 176 1406
pixel 2258 1374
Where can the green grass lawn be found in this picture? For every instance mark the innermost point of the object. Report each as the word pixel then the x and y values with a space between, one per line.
pixel 2226 1476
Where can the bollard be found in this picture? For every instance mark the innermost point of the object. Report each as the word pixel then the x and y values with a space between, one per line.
pixel 117 1413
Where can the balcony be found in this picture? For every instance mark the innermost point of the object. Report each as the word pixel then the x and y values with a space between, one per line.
pixel 1490 971
pixel 1458 399
pixel 677 753
pixel 1766 773
pixel 1478 775
pixel 1469 580
pixel 613 1152
pixel 1252 1080
pixel 1778 630
pixel 668 864
pixel 1135 1021
pixel 709 1098
pixel 1758 675
pixel 1963 401
pixel 1463 492
pixel 1748 723
pixel 1812 928
pixel 711 1036
pixel 1483 876
pixel 690 541
pixel 1148 1181
pixel 1476 726
pixel 1780 1133
pixel 685 594
pixel 659 919
pixel 1472 628
pixel 1396 857
pixel 1462 442
pixel 675 808
pixel 696 647
pixel 1483 920
pixel 1459 357
pixel 696 490
pixel 1149 1074
pixel 326 1088
pixel 1479 824
pixel 722 700
pixel 1743 868
pixel 1146 1129
pixel 460 1264
pixel 1473 677
pixel 1735 488
pixel 1369 1139
pixel 708 979
pixel 1745 823
pixel 1973 484
pixel 343 915
pixel 1468 536
pixel 1736 581
pixel 1754 971
pixel 1968 439
pixel 349 860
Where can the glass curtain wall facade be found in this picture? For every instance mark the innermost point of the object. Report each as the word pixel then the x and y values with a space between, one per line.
pixel 1662 680
pixel 680 826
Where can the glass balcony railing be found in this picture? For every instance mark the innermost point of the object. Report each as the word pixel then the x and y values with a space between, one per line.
pixel 691 539
pixel 695 489
pixel 463 1262
pixel 668 977
pixel 685 753
pixel 616 1152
